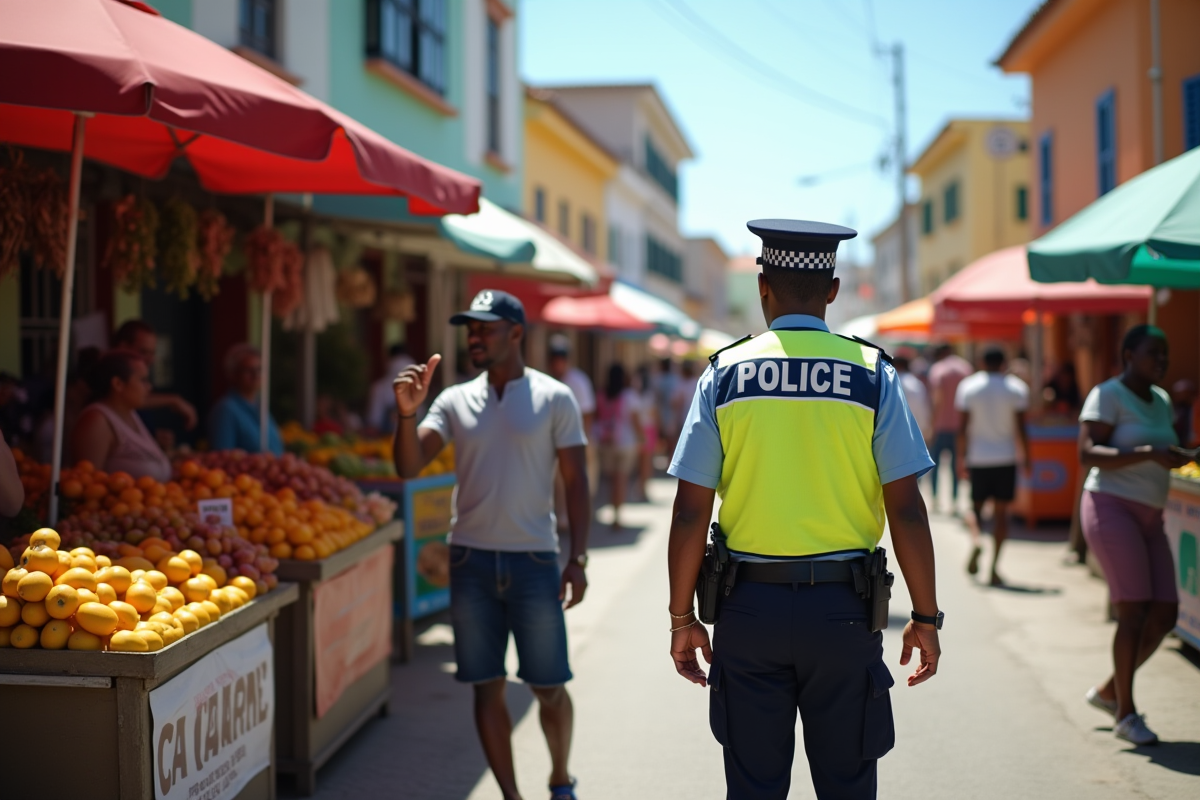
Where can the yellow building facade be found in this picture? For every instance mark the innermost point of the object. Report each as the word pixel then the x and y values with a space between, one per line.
pixel 975 195
pixel 566 173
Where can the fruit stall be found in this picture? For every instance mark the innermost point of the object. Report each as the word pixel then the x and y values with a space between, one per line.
pixel 1050 490
pixel 1182 521
pixel 170 674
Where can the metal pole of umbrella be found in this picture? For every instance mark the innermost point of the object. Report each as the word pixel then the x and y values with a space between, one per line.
pixel 64 319
pixel 264 394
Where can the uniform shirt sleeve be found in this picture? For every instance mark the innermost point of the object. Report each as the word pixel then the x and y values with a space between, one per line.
pixel 699 455
pixel 567 424
pixel 898 445
pixel 440 416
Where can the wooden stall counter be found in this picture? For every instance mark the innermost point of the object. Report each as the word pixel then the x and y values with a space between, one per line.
pixel 194 719
pixel 334 673
pixel 1182 521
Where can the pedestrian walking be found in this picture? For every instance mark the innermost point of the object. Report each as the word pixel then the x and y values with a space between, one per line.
pixel 561 369
pixel 1126 441
pixel 649 418
pixel 509 426
pixel 916 394
pixel 681 397
pixel 619 433
pixel 992 406
pixel 946 372
pixel 804 487
pixel 665 391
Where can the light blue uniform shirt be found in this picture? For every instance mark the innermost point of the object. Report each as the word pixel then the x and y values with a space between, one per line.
pixel 897 444
pixel 233 425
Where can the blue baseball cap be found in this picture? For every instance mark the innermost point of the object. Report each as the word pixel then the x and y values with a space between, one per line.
pixel 492 305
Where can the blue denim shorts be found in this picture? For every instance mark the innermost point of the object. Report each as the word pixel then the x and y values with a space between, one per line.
pixel 494 593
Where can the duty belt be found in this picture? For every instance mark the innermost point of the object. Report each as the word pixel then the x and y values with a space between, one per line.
pixel 799 571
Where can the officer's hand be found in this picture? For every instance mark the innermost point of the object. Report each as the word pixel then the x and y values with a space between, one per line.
pixel 925 639
pixel 684 644
pixel 574 577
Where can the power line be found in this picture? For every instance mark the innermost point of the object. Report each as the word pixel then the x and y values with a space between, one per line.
pixel 719 44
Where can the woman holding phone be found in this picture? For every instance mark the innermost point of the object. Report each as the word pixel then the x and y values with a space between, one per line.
pixel 1128 441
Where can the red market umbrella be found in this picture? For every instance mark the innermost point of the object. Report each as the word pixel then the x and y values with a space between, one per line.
pixel 595 311
pixel 148 91
pixel 160 91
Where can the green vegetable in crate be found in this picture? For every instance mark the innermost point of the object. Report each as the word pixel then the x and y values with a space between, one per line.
pixel 348 465
pixel 178 258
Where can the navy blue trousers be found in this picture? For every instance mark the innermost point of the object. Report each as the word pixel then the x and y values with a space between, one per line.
pixel 782 648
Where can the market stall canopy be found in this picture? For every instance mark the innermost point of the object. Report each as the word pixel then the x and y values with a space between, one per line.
pixel 650 308
pixel 159 91
pixel 863 327
pixel 998 288
pixel 913 319
pixel 503 236
pixel 1145 231
pixel 594 312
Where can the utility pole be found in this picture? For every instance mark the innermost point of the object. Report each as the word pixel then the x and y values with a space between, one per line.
pixel 901 161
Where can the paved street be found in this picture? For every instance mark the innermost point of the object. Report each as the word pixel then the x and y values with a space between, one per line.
pixel 1004 718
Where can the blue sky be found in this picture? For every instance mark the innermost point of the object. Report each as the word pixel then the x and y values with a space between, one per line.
pixel 798 93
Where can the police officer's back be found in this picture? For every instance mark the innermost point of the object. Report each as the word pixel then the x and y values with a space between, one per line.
pixel 807 438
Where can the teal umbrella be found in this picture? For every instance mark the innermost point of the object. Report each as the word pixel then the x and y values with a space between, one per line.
pixel 1146 231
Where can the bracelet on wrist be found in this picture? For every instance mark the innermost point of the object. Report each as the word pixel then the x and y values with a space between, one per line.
pixel 683 627
pixel 684 615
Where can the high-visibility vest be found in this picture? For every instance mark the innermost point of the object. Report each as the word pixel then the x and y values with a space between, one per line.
pixel 796 413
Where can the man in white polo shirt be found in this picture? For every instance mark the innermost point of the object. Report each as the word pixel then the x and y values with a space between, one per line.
pixel 509 427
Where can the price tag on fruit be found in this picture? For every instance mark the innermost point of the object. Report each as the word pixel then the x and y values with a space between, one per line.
pixel 217 511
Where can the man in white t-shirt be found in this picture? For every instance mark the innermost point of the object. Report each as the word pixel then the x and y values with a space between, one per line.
pixel 510 426
pixel 993 408
pixel 561 369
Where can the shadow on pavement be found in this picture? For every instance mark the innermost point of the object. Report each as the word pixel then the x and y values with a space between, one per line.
pixel 1183 757
pixel 427 747
pixel 1189 653
pixel 1017 588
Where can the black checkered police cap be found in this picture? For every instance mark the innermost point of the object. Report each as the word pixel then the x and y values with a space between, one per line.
pixel 798 243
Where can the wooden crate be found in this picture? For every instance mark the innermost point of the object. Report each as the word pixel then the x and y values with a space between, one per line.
pixel 96 706
pixel 304 742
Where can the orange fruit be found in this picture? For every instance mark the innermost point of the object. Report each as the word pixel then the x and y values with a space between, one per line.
pixel 176 569
pixel 12 579
pixel 161 604
pixel 82 551
pixel 127 615
pixel 214 610
pixel 34 587
pixel 209 581
pixel 106 593
pixel 135 562
pixel 246 585
pixel 6 559
pixel 281 550
pixel 83 640
pixel 120 481
pixel 153 639
pixel 86 596
pixel 195 590
pixel 81 560
pixel 188 620
pixel 193 560
pixel 175 597
pixel 103 561
pixel 165 618
pixel 10 611
pixel 127 642
pixel 45 536
pixel 35 614
pixel 156 579
pixel 97 618
pixel 78 577
pixel 64 563
pixel 55 635
pixel 201 613
pixel 216 572
pixel 40 558
pixel 223 601
pixel 141 596
pixel 156 551
pixel 117 577
pixel 23 637
pixel 304 552
pixel 62 601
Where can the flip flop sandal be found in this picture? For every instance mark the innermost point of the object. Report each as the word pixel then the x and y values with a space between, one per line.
pixel 565 792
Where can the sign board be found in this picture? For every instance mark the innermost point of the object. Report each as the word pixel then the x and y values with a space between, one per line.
pixel 352 625
pixel 428 509
pixel 218 509
pixel 1182 521
pixel 212 722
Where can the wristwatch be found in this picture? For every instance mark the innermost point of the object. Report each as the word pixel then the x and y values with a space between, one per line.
pixel 935 621
pixel 581 560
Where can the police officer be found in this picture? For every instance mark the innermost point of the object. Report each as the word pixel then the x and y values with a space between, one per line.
pixel 804 487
